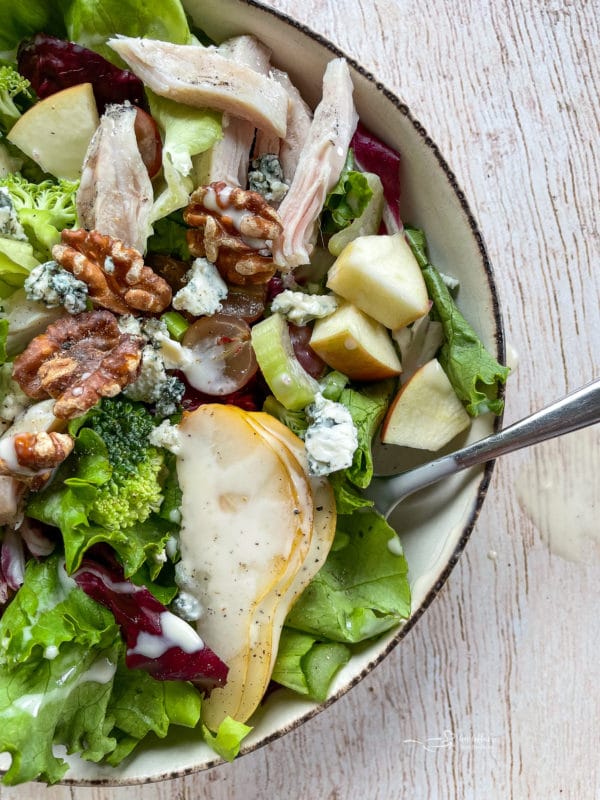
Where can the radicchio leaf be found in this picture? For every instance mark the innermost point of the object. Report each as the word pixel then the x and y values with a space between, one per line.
pixel 372 155
pixel 12 559
pixel 52 64
pixel 157 641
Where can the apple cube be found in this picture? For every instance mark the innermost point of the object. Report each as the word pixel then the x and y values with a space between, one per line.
pixel 426 413
pixel 56 132
pixel 380 275
pixel 355 344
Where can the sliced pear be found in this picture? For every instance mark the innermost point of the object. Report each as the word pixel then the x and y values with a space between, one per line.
pixel 56 131
pixel 247 526
pixel 426 413
pixel 381 276
pixel 357 345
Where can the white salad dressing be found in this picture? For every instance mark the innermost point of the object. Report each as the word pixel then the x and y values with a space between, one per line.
pixel 236 215
pixel 175 633
pixel 559 489
pixel 203 369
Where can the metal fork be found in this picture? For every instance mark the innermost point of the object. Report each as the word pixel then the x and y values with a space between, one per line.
pixel 577 410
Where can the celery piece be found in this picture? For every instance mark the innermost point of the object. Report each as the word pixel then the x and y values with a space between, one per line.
pixel 286 377
pixel 176 324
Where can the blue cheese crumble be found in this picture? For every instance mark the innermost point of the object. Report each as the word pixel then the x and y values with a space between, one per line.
pixel 331 437
pixel 204 290
pixel 266 178
pixel 155 386
pixel 54 286
pixel 300 308
pixel 9 221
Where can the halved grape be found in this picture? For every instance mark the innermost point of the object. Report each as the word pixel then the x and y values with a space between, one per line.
pixel 223 359
pixel 245 302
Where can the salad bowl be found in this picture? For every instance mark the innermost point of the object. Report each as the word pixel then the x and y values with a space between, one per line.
pixel 433 526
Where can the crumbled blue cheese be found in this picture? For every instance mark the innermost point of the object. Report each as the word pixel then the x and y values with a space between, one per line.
pixel 9 221
pixel 266 178
pixel 154 386
pixel 13 401
pixel 167 436
pixel 331 437
pixel 300 308
pixel 54 286
pixel 204 290
pixel 186 606
pixel 130 324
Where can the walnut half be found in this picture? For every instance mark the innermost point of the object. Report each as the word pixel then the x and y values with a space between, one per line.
pixel 78 360
pixel 116 275
pixel 234 229
pixel 31 457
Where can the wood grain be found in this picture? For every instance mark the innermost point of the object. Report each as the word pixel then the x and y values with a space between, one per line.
pixel 499 678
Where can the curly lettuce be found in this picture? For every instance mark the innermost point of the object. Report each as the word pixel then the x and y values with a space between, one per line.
pixel 474 373
pixel 63 681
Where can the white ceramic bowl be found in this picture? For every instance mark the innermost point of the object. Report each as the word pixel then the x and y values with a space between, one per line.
pixel 435 527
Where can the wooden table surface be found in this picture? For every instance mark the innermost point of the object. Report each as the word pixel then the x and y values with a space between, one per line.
pixel 498 680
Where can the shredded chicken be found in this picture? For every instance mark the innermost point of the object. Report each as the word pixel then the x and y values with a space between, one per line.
pixel 298 127
pixel 228 159
pixel 205 78
pixel 320 164
pixel 115 195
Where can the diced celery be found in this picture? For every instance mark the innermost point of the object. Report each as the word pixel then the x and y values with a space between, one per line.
pixel 286 377
pixel 176 324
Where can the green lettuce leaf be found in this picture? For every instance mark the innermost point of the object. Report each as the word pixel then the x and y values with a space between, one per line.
pixel 367 407
pixel 139 705
pixel 308 665
pixel 474 373
pixel 63 681
pixel 186 133
pixel 170 237
pixel 227 741
pixel 21 20
pixel 47 611
pixel 59 700
pixel 348 199
pixel 91 22
pixel 362 589
pixel 68 501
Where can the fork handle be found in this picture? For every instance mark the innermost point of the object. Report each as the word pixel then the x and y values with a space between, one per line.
pixel 577 410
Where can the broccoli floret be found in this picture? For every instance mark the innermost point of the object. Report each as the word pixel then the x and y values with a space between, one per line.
pixel 55 286
pixel 124 427
pixel 43 209
pixel 134 490
pixel 130 497
pixel 16 95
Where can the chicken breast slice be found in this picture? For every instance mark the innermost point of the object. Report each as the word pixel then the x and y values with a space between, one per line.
pixel 228 159
pixel 115 194
pixel 319 167
pixel 298 127
pixel 205 78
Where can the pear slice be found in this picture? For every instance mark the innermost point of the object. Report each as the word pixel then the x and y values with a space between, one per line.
pixel 247 523
pixel 324 525
pixel 426 413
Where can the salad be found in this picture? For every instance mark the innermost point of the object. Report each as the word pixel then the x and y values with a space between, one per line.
pixel 210 309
